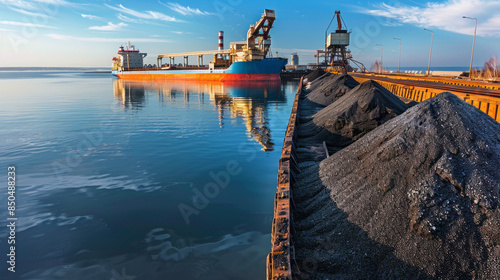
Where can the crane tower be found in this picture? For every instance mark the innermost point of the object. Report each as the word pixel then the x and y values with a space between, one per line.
pixel 336 46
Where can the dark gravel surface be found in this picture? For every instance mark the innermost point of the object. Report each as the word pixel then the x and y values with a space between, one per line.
pixel 314 75
pixel 330 89
pixel 351 116
pixel 415 198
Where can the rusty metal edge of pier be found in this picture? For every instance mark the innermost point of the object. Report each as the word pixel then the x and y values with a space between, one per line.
pixel 281 256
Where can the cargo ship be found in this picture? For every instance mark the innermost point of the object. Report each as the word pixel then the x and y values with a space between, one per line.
pixel 243 61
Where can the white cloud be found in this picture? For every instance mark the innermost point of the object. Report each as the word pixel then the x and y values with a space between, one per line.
pixel 28 13
pixel 446 16
pixel 92 17
pixel 36 8
pixel 105 40
pixel 127 19
pixel 110 27
pixel 391 22
pixel 55 2
pixel 16 23
pixel 181 32
pixel 19 4
pixel 185 11
pixel 36 5
pixel 149 15
pixel 134 20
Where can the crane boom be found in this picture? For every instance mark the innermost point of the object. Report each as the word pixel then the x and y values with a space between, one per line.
pixel 254 31
pixel 339 22
pixel 258 39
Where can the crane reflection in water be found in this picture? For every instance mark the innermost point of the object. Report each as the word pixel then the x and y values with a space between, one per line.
pixel 249 101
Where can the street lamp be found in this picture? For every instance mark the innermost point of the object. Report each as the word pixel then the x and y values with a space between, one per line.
pixel 399 64
pixel 473 42
pixel 381 58
pixel 430 53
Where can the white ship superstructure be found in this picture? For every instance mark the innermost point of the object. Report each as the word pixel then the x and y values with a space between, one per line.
pixel 128 58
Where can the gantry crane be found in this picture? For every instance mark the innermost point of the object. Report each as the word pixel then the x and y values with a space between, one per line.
pixel 336 45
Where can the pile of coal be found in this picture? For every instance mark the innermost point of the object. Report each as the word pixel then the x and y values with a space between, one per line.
pixel 331 88
pixel 313 75
pixel 418 194
pixel 351 116
pixel 310 84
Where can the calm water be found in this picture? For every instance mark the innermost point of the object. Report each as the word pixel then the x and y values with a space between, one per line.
pixel 148 180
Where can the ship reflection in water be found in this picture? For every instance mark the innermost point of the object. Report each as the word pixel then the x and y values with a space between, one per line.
pixel 141 180
pixel 246 100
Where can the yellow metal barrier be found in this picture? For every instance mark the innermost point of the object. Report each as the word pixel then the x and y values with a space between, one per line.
pixel 441 80
pixel 487 104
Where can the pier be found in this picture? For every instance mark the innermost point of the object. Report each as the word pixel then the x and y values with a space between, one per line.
pixel 299 188
pixel 293 75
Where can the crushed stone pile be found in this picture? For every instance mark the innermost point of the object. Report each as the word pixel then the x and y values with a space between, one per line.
pixel 416 198
pixel 313 75
pixel 353 115
pixel 331 88
pixel 314 81
pixel 310 82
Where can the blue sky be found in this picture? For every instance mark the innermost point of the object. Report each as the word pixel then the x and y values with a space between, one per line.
pixel 71 33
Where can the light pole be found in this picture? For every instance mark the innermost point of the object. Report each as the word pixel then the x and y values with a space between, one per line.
pixel 430 53
pixel 381 58
pixel 399 64
pixel 473 43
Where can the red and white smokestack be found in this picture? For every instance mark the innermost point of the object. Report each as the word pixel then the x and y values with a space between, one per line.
pixel 221 40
